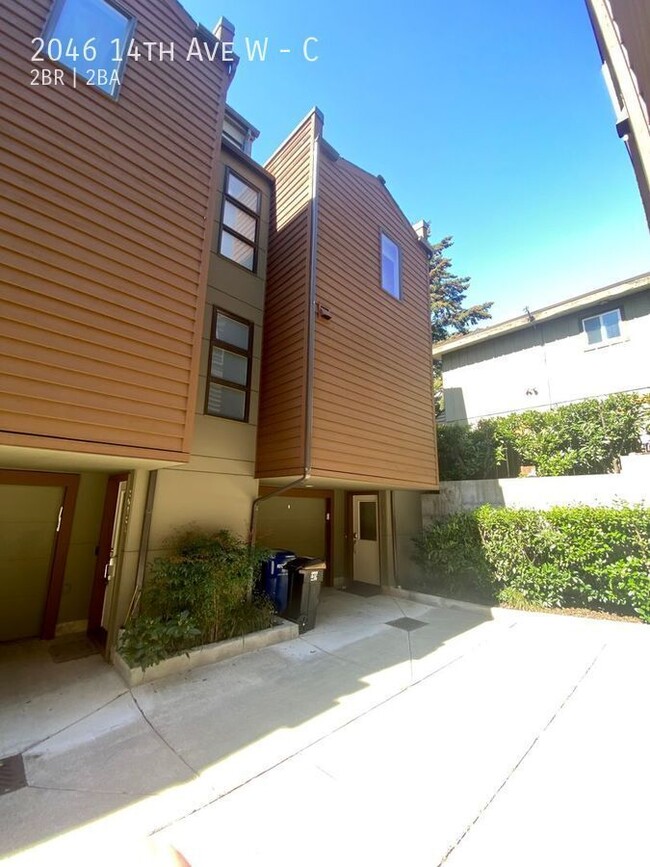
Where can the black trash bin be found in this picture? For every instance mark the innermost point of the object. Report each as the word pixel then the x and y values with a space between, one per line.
pixel 305 581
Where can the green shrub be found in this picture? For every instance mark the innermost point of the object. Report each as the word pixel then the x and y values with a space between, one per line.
pixel 467 453
pixel 580 438
pixel 569 557
pixel 577 439
pixel 199 593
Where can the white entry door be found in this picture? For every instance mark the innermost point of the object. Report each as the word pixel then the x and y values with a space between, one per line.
pixel 365 538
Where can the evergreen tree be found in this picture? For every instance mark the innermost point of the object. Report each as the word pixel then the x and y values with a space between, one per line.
pixel 448 315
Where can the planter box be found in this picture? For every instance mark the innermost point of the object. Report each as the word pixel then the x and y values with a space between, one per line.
pixel 284 630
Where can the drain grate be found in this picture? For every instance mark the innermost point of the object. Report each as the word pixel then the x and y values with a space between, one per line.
pixel 12 774
pixel 408 624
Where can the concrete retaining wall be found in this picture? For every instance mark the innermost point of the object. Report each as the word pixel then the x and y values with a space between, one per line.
pixel 631 485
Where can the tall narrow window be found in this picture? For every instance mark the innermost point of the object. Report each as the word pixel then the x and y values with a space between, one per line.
pixel 390 267
pixel 229 367
pixel 239 221
pixel 91 38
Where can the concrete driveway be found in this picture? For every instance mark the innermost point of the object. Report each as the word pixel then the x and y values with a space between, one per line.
pixel 456 736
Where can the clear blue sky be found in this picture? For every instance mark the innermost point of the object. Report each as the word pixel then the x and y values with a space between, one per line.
pixel 491 120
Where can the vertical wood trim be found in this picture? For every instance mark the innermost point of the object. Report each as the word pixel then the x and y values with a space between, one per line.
pixel 98 591
pixel 203 279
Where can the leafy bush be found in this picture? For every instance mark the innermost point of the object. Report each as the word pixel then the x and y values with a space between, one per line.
pixel 579 438
pixel 467 453
pixel 567 557
pixel 197 594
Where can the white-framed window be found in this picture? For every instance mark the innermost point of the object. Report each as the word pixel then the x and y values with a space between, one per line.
pixel 230 363
pixel 603 327
pixel 91 38
pixel 390 267
pixel 240 221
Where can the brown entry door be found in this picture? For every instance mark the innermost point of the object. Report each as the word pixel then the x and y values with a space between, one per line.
pixel 29 519
pixel 107 553
pixel 36 512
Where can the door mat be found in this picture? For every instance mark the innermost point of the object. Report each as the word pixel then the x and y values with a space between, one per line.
pixel 12 774
pixel 358 588
pixel 70 647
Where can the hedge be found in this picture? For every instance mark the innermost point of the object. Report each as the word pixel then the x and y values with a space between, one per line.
pixel 566 557
pixel 579 438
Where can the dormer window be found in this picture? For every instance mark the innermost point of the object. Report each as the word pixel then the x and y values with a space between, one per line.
pixel 236 136
pixel 238 131
pixel 390 267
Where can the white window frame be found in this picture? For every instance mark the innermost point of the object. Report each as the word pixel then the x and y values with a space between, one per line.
pixel 49 32
pixel 384 236
pixel 604 339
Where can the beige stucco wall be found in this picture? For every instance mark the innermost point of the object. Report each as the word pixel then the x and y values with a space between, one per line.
pixel 294 523
pixel 217 487
pixel 408 524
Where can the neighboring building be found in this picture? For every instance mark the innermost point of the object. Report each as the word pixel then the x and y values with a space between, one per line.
pixel 590 346
pixel 137 397
pixel 622 29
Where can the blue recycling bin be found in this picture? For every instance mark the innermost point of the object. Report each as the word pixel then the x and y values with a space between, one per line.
pixel 276 578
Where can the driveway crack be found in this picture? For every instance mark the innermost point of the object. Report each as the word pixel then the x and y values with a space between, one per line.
pixel 73 723
pixel 525 754
pixel 193 771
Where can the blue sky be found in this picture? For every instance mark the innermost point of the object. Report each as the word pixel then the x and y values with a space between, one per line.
pixel 491 120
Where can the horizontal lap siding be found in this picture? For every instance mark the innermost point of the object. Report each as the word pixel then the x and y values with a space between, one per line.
pixel 102 222
pixel 373 398
pixel 280 449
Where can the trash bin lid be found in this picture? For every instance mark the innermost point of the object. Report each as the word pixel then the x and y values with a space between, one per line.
pixel 308 564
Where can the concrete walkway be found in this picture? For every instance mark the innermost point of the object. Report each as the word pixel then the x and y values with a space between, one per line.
pixel 460 739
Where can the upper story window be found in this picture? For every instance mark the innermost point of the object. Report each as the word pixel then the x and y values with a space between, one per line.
pixel 91 38
pixel 229 371
pixel 602 328
pixel 240 221
pixel 235 135
pixel 390 267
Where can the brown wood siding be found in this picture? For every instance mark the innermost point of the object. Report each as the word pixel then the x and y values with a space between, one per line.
pixel 280 439
pixel 373 397
pixel 103 209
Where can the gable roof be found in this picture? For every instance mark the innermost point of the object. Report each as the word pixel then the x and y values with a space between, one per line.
pixel 544 314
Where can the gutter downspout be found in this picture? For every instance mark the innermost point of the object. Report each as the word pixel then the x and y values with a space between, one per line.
pixel 311 342
pixel 144 544
pixel 393 533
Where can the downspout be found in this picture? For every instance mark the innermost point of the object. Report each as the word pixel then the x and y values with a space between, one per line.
pixel 393 533
pixel 144 543
pixel 311 342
